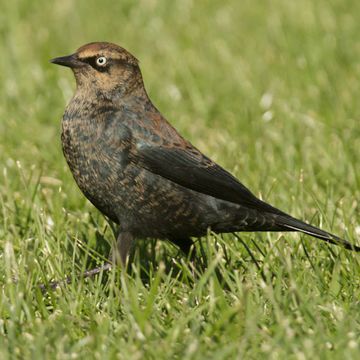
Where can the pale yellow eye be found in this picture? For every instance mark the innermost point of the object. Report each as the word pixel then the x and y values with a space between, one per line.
pixel 101 61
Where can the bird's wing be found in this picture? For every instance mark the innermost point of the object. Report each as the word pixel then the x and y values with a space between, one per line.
pixel 165 153
pixel 190 168
pixel 185 165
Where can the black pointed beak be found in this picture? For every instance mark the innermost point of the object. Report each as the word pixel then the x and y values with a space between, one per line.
pixel 70 61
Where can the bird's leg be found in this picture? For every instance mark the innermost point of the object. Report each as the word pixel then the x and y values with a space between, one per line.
pixel 185 244
pixel 123 245
pixel 119 255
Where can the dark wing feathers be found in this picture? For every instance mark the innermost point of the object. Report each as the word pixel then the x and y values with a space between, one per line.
pixel 191 169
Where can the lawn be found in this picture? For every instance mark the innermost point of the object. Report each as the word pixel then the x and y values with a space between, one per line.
pixel 270 90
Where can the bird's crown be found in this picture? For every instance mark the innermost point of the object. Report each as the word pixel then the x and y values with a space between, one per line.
pixel 106 49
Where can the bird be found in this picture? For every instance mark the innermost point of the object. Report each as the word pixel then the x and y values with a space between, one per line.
pixel 137 170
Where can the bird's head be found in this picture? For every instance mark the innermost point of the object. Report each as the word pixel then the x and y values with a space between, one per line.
pixel 103 67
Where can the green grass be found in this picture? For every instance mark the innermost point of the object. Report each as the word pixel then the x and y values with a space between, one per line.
pixel 268 89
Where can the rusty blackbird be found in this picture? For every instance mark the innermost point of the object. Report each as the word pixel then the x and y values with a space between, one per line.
pixel 139 172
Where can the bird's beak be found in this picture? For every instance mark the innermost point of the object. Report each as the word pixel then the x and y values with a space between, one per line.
pixel 70 61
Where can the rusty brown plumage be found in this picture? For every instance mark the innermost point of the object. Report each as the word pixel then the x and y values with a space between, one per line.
pixel 138 171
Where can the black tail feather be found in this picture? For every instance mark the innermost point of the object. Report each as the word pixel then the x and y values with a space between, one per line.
pixel 292 224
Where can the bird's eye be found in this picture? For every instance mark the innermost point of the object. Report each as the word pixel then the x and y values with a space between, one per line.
pixel 101 61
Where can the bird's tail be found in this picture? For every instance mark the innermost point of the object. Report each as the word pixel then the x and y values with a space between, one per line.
pixel 292 224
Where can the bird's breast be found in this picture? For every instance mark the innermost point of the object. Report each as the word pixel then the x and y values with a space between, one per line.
pixel 97 160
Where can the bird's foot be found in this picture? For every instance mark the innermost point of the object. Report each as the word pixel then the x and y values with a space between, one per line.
pixel 53 285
